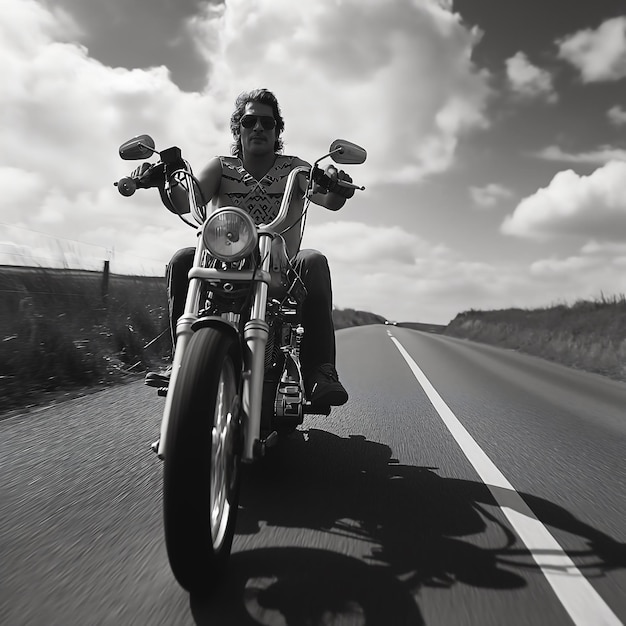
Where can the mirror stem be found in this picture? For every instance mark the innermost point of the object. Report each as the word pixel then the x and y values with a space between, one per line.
pixel 153 150
pixel 339 149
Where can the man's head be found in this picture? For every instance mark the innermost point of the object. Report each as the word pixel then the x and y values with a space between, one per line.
pixel 251 121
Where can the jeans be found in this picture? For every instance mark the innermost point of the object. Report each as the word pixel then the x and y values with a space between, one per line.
pixel 318 342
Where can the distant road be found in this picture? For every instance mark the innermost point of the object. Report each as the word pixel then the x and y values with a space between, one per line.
pixel 462 484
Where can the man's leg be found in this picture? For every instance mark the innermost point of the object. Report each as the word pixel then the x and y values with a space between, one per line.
pixel 317 352
pixel 176 285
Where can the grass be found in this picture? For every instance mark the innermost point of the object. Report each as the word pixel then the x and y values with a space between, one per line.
pixel 59 334
pixel 588 334
pixel 344 318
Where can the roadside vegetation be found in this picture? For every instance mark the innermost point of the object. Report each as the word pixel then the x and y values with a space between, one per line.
pixel 63 331
pixel 344 318
pixel 588 334
pixel 60 331
pixel 66 331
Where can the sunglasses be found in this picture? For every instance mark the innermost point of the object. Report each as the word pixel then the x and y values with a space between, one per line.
pixel 267 121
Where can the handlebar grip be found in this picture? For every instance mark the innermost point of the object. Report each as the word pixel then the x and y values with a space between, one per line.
pixel 328 184
pixel 127 186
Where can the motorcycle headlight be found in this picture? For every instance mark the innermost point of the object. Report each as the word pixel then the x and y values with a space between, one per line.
pixel 229 234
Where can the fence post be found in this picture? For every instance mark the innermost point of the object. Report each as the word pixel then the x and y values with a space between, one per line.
pixel 105 282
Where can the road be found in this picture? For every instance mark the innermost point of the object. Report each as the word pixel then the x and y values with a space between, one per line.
pixel 461 484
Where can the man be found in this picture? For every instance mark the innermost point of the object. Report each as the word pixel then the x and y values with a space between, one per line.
pixel 254 179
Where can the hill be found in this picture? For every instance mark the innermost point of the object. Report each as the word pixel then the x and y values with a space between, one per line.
pixel 345 318
pixel 589 334
pixel 428 328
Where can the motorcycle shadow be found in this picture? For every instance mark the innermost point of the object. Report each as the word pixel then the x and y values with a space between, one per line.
pixel 424 530
pixel 297 586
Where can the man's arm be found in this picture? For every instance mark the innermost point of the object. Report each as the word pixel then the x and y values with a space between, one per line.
pixel 209 180
pixel 331 201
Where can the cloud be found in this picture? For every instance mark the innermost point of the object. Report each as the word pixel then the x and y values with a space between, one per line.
pixel 402 276
pixel 559 268
pixel 600 156
pixel 136 239
pixel 48 24
pixel 355 69
pixel 64 116
pixel 400 82
pixel 488 196
pixel 65 113
pixel 20 186
pixel 617 115
pixel 599 55
pixel 597 268
pixel 591 206
pixel 356 242
pixel 528 80
pixel 385 270
pixel 604 248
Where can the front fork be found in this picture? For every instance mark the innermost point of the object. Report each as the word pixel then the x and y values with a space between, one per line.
pixel 183 335
pixel 256 332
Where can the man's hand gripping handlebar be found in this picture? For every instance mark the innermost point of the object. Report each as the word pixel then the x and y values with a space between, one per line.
pixel 334 181
pixel 149 175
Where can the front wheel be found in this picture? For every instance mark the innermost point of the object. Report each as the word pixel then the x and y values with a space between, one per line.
pixel 201 466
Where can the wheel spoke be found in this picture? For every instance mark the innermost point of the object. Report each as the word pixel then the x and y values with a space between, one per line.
pixel 221 450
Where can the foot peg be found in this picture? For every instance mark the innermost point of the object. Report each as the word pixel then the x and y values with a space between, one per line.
pixel 155 446
pixel 261 445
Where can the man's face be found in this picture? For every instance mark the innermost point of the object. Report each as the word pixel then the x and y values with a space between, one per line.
pixel 257 140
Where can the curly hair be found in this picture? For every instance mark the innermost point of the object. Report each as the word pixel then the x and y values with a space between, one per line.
pixel 262 96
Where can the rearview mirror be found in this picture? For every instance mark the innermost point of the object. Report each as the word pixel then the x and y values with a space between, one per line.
pixel 346 152
pixel 140 147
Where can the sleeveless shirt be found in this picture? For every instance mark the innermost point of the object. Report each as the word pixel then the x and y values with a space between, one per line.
pixel 261 198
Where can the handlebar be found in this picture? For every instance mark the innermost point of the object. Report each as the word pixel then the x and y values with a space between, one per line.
pixel 172 158
pixel 328 184
pixel 127 185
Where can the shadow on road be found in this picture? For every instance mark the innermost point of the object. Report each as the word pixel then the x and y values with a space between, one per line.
pixel 298 586
pixel 425 530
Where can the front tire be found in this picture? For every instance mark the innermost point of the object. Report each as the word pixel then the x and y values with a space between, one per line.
pixel 202 461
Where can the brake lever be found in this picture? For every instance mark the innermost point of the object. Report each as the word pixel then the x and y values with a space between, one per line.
pixel 345 183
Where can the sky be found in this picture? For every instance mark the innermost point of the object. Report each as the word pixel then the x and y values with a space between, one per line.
pixel 495 132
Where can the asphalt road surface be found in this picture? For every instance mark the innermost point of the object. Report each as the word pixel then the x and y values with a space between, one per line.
pixel 461 484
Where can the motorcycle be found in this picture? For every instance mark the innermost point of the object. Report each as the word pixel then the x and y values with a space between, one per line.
pixel 236 384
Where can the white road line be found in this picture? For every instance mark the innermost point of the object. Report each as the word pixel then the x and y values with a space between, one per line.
pixel 578 597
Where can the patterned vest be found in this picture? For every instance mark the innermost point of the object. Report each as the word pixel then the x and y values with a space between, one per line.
pixel 261 198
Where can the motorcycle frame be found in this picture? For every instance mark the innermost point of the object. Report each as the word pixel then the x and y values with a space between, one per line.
pixel 256 330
